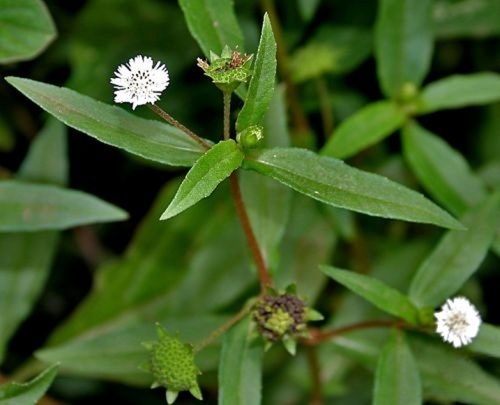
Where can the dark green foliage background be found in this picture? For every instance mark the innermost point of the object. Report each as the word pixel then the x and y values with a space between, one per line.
pixel 95 36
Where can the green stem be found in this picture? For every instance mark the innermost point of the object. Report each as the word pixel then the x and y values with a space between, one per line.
pixel 219 331
pixel 227 114
pixel 325 108
pixel 172 121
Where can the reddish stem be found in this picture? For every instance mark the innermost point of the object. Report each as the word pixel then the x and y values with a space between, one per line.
pixel 264 276
pixel 318 336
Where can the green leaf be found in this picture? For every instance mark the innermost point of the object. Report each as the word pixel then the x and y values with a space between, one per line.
pixel 240 369
pixel 378 293
pixel 333 182
pixel 116 353
pixel 213 24
pixel 460 91
pixel 457 256
pixel 165 271
pixel 209 170
pixel 366 127
pixel 466 18
pixel 403 43
pixel 261 86
pixel 149 139
pixel 28 393
pixel 25 258
pixel 308 242
pixel 26 29
pixel 36 207
pixel 332 50
pixel 268 207
pixel 441 170
pixel 487 341
pixel 447 376
pixel 397 380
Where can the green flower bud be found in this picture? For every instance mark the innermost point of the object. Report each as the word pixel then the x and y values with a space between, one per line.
pixel 172 365
pixel 228 70
pixel 250 137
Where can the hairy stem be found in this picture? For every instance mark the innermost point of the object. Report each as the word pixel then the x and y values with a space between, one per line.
pixel 172 121
pixel 219 331
pixel 264 276
pixel 317 394
pixel 318 336
pixel 325 107
pixel 227 114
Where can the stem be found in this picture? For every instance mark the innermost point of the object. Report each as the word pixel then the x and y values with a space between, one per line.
pixel 324 102
pixel 219 331
pixel 317 395
pixel 318 336
pixel 298 117
pixel 264 276
pixel 227 114
pixel 171 120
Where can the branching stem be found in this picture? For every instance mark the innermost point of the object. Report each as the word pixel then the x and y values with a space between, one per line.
pixel 317 336
pixel 219 331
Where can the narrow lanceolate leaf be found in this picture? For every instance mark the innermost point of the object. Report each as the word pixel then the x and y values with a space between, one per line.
pixel 441 170
pixel 457 256
pixel 37 207
pixel 26 29
pixel 460 91
pixel 208 171
pixel 487 341
pixel 403 43
pixel 378 293
pixel 213 24
pixel 240 367
pixel 448 376
pixel 397 379
pixel 261 87
pixel 365 128
pixel 333 182
pixel 25 258
pixel 149 139
pixel 466 18
pixel 30 392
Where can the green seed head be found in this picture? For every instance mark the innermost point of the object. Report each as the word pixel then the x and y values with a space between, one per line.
pixel 172 365
pixel 228 70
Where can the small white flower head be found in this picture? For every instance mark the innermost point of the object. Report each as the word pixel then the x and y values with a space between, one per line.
pixel 138 82
pixel 458 321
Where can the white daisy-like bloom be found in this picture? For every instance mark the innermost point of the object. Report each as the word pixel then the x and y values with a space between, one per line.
pixel 139 82
pixel 458 321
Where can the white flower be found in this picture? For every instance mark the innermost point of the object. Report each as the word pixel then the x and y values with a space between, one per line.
pixel 458 321
pixel 138 82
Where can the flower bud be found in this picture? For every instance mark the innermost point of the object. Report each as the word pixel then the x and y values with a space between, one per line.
pixel 250 137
